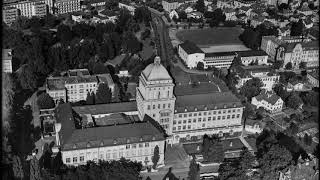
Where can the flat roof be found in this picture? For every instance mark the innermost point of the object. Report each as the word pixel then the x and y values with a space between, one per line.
pixel 106 108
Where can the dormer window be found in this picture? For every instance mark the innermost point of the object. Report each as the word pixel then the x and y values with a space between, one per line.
pixel 115 141
pixel 185 110
pixel 74 146
pixel 128 141
pixel 215 107
pixel 195 109
pixel 88 145
pixel 101 143
pixel 224 106
pixel 234 105
pixel 141 139
pixel 153 138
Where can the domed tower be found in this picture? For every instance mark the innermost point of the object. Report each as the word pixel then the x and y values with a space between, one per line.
pixel 155 95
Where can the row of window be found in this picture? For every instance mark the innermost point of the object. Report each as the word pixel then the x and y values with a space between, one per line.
pixel 81 86
pixel 200 126
pixel 209 119
pixel 207 113
pixel 140 145
pixel 159 106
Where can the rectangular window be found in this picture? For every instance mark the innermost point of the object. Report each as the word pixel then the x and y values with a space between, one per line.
pixel 75 159
pixel 223 117
pixel 179 127
pixel 199 113
pixel 67 160
pixel 185 115
pixel 169 105
pixel 195 114
pixel 233 110
pixel 194 120
pixel 81 158
pixel 154 106
pixel 209 118
pixel 134 146
pixel 180 115
pixel 164 106
pixel 184 127
pixel 189 120
pixel 213 118
pixel 184 121
pixel 238 115
pixel 149 107
pixel 219 112
pixel 158 106
pixel 146 144
pixel 209 113
pixel 190 114
pixel 224 111
pixel 229 111
pixel 199 119
pixel 179 122
pixel 189 126
pixel 204 119
pixel 228 117
pixel 140 145
pixel 205 113
pixel 203 125
pixel 214 112
pixel 174 128
pixel 128 146
pixel 219 117
pixel 174 122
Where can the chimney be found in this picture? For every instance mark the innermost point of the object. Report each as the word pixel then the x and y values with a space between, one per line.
pixel 198 148
pixel 230 144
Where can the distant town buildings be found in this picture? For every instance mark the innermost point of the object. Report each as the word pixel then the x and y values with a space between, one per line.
pixel 269 101
pixel 313 78
pixel 7 60
pixel 76 85
pixel 130 7
pixel 66 6
pixel 263 72
pixel 9 14
pixel 31 8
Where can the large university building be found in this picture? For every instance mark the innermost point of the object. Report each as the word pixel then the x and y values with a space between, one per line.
pixel 164 113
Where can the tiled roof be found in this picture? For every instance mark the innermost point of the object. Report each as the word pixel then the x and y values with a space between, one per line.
pixel 251 53
pixel 311 45
pixel 315 74
pixel 106 108
pixel 113 119
pixel 190 47
pixel 209 101
pixel 138 132
pixel 55 84
pixel 78 79
pixel 105 78
pixel 269 97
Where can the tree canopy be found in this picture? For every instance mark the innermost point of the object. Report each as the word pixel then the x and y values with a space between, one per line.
pixel 194 170
pixel 294 101
pixel 45 101
pixel 103 95
pixel 200 6
pixel 156 156
pixel 212 149
pixel 251 88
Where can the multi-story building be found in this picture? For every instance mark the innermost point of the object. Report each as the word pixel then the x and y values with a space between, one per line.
pixel 219 59
pixel 66 6
pixel 225 4
pixel 269 101
pixel 136 141
pixel 169 5
pixel 313 78
pixel 39 9
pixel 7 60
pixel 9 14
pixel 263 72
pixel 76 85
pixel 270 44
pixel 257 57
pixel 155 95
pixel 190 53
pixel 187 114
pixel 295 53
pixel 130 7
pixel 241 3
pixel 31 8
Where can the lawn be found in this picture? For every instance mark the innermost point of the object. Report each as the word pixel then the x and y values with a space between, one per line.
pixel 212 36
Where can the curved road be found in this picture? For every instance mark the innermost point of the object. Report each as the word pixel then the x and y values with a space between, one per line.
pixel 164 37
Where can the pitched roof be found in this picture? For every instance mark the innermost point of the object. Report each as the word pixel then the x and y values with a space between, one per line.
pixel 106 108
pixel 208 101
pixel 190 47
pixel 6 54
pixel 156 71
pixel 72 138
pixel 269 97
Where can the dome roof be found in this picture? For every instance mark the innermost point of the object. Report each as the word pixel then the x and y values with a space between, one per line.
pixel 155 71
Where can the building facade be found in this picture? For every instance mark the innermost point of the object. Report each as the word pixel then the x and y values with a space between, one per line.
pixel 31 8
pixel 219 60
pixel 66 6
pixel 7 60
pixel 313 78
pixel 130 7
pixel 169 5
pixel 155 95
pixel 136 141
pixel 76 86
pixel 39 9
pixel 256 57
pixel 191 54
pixel 9 15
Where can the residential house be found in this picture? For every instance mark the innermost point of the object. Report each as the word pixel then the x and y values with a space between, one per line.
pixel 245 10
pixel 284 31
pixel 307 23
pixel 298 86
pixel 313 78
pixel 305 9
pixel 256 20
pixel 195 15
pixel 9 14
pixel 169 5
pixel 219 59
pixel 130 7
pixel 225 4
pixel 269 101
pixel 254 126
pixel 173 13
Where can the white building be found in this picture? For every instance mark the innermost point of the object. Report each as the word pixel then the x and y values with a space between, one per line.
pixel 169 5
pixel 9 14
pixel 313 78
pixel 136 141
pixel 66 6
pixel 191 54
pixel 76 86
pixel 225 4
pixel 173 13
pixel 30 8
pixel 219 59
pixel 257 57
pixel 263 72
pixel 254 126
pixel 269 101
pixel 7 60
pixel 130 7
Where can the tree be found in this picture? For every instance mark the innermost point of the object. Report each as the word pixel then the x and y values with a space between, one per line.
pixel 17 167
pixel 34 169
pixel 311 98
pixel 200 6
pixel 45 101
pixel 182 15
pixel 246 159
pixel 279 89
pixel 103 95
pixel 307 139
pixel 155 157
pixel 100 68
pixel 194 170
pixel 248 111
pixel 250 38
pixel 90 98
pixel 200 66
pixel 289 66
pixel 251 88
pixel 64 34
pixel 275 159
pixel 175 19
pixel 297 28
pixel 28 80
pixel 145 34
pixel 293 129
pixel 277 64
pixel 294 101
pixel 212 149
